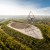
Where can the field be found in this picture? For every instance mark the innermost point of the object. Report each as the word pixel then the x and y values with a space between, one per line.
pixel 11 39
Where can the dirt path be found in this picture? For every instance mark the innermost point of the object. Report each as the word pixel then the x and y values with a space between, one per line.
pixel 32 30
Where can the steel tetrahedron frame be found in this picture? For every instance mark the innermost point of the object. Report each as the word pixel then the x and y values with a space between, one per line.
pixel 30 20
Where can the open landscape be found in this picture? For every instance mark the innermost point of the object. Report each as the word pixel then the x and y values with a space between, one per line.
pixel 25 36
pixel 24 24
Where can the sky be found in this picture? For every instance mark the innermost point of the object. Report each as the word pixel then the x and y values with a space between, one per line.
pixel 23 7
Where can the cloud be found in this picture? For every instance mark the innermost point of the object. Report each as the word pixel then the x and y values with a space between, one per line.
pixel 43 11
pixel 14 8
pixel 7 9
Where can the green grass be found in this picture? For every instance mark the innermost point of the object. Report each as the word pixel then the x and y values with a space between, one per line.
pixel 11 43
pixel 35 44
pixel 3 46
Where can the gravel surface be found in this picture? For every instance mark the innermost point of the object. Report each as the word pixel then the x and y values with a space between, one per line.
pixel 27 29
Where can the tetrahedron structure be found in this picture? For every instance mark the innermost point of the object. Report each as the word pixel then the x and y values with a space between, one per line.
pixel 30 18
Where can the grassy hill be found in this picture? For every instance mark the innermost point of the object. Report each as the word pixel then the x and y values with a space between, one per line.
pixel 14 40
pixel 9 43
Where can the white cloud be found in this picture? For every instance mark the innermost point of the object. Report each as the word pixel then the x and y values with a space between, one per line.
pixel 44 11
pixel 12 10
pixel 15 9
